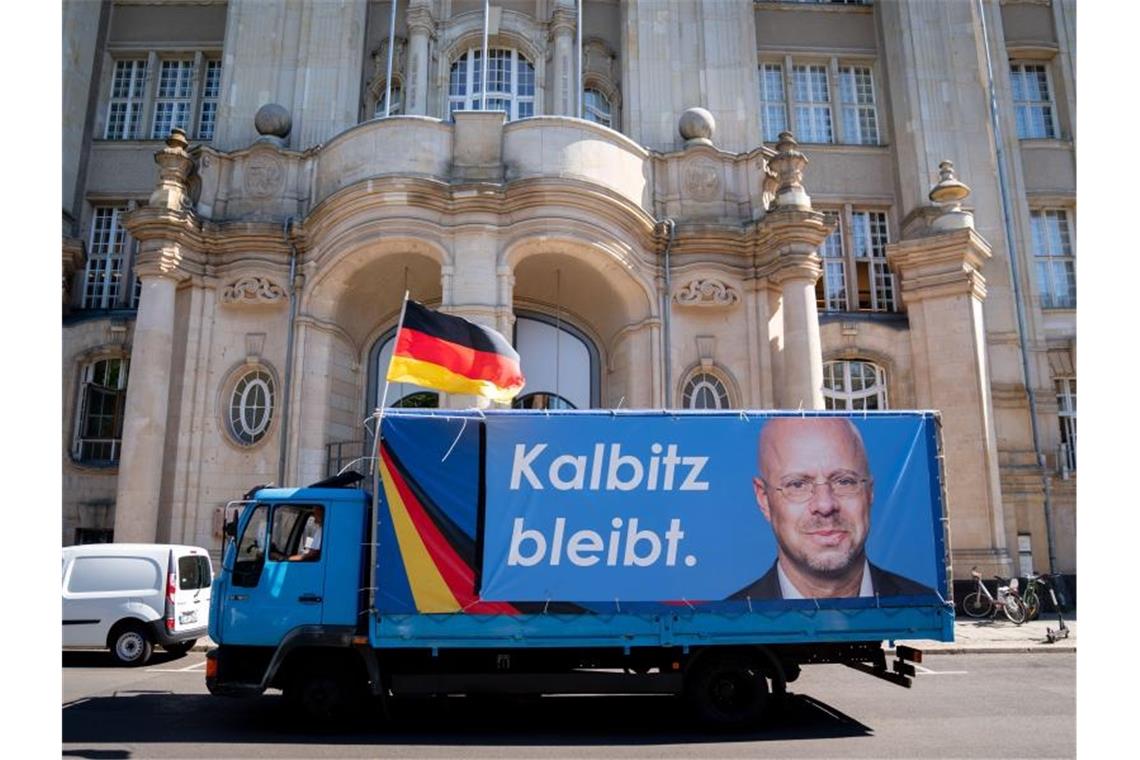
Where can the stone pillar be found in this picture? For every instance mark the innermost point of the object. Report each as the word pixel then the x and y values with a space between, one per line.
pixel 421 27
pixel 156 227
pixel 792 233
pixel 943 290
pixel 563 27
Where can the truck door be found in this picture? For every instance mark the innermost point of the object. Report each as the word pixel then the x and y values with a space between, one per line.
pixel 278 578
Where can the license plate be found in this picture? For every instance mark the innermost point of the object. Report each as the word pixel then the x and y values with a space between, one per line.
pixel 187 617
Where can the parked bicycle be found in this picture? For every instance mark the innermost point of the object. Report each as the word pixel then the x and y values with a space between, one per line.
pixel 980 603
pixel 1032 597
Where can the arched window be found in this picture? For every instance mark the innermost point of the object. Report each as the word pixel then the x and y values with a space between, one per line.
pixel 560 364
pixel 251 406
pixel 704 390
pixel 854 385
pixel 397 100
pixel 510 83
pixel 99 418
pixel 597 107
pixel 542 400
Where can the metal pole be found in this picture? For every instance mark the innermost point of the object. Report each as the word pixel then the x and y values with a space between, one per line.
pixel 486 32
pixel 1007 217
pixel 287 389
pixel 666 314
pixel 391 52
pixel 376 466
pixel 581 67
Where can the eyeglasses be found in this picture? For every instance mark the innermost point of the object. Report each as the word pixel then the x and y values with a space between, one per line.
pixel 800 490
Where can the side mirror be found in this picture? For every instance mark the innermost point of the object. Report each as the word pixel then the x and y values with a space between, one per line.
pixel 229 530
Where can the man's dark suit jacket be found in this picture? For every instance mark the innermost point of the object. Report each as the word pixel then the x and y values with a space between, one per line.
pixel 883 582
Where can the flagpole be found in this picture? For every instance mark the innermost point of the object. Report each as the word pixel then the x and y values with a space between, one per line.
pixel 376 461
pixel 486 32
pixel 391 51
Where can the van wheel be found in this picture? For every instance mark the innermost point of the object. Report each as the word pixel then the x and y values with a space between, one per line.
pixel 131 645
pixel 181 648
pixel 727 691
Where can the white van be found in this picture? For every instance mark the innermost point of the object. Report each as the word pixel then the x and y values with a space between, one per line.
pixel 129 597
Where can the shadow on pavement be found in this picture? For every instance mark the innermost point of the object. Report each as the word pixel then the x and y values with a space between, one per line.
pixel 143 718
pixel 99 658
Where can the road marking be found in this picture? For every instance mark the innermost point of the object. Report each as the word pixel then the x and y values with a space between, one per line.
pixel 923 671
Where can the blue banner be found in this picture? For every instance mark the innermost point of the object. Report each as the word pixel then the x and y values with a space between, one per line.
pixel 698 508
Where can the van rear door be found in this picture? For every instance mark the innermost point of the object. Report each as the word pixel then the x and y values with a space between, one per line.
pixel 193 575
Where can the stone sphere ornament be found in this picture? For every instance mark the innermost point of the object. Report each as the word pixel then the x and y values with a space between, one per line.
pixel 697 126
pixel 273 120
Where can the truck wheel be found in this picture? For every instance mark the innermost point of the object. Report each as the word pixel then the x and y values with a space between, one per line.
pixel 727 692
pixel 181 648
pixel 327 698
pixel 131 646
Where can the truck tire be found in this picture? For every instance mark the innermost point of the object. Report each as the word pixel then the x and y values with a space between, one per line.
pixel 131 645
pixel 326 695
pixel 727 691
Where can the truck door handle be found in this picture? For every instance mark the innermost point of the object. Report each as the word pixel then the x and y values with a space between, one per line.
pixel 309 599
pixel 238 597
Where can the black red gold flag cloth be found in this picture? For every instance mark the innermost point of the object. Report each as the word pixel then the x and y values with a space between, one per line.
pixel 453 355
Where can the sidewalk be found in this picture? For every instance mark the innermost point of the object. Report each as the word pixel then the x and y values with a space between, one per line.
pixel 1000 635
pixel 970 637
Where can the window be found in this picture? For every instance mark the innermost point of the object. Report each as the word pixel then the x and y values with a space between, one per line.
pixel 854 385
pixel 211 89
pixel 249 558
pixel 1032 101
pixel 510 83
pixel 857 101
pixel 128 85
pixel 773 108
pixel 704 390
pixel 105 574
pixel 541 401
pixel 251 407
pixel 597 107
pixel 1067 416
pixel 101 403
pixel 1025 554
pixel 812 104
pixel 382 102
pixel 1053 253
pixel 108 262
pixel 855 272
pixel 170 91
pixel 807 95
pixel 296 534
pixel 94 536
pixel 193 572
pixel 172 101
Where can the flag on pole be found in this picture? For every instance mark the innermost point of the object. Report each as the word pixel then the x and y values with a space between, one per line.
pixel 451 354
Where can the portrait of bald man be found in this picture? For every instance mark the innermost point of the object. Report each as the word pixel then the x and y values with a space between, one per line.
pixel 815 488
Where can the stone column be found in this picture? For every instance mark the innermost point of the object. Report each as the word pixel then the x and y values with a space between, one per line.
pixel 792 233
pixel 421 26
pixel 563 27
pixel 157 227
pixel 943 290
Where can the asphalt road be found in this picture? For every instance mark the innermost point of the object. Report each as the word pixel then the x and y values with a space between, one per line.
pixel 986 705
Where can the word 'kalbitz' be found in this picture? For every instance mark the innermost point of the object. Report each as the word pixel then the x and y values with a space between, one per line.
pixel 623 472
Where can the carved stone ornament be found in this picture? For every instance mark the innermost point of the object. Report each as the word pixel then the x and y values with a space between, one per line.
pixel 716 293
pixel 263 175
pixel 702 179
pixel 253 290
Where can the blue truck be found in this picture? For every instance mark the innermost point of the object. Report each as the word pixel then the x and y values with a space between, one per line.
pixel 708 555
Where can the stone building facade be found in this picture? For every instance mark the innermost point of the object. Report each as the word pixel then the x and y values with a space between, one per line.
pixel 756 211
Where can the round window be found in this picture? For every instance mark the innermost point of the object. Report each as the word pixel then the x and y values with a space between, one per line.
pixel 251 407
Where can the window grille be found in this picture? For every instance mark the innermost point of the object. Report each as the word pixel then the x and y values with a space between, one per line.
pixel 773 101
pixel 99 418
pixel 1066 388
pixel 856 276
pixel 704 390
pixel 1032 101
pixel 857 103
pixel 854 385
pixel 1053 254
pixel 108 262
pixel 510 83
pixel 812 103
pixel 251 407
pixel 128 87
pixel 172 101
pixel 211 90
pixel 597 107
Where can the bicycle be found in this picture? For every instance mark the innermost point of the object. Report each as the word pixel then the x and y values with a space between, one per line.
pixel 1031 598
pixel 980 603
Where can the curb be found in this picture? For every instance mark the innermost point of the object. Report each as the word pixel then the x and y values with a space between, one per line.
pixel 1009 649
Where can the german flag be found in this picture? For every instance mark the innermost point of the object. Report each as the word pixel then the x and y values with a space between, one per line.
pixel 453 355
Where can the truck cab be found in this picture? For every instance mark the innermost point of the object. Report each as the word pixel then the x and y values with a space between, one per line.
pixel 292 578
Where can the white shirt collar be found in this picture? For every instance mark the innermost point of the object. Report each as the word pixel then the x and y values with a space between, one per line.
pixel 788 591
